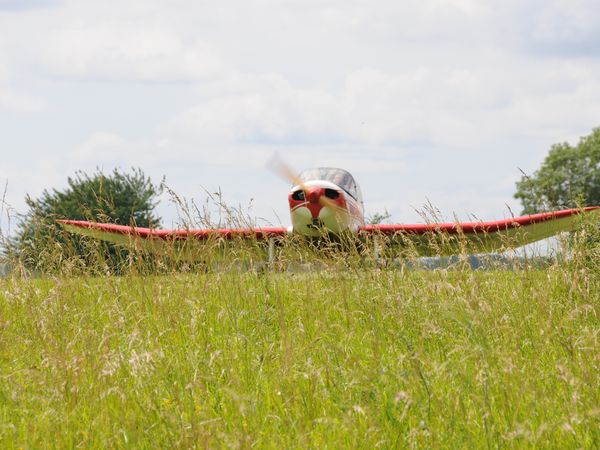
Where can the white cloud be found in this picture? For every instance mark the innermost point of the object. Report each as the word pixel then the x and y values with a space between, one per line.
pixel 257 108
pixel 101 146
pixel 567 21
pixel 118 51
pixel 438 106
pixel 19 5
pixel 12 100
pixel 124 40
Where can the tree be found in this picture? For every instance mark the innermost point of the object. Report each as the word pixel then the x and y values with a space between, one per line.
pixel 378 218
pixel 122 198
pixel 569 177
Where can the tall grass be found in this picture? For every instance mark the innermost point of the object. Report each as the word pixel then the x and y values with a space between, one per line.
pixel 323 349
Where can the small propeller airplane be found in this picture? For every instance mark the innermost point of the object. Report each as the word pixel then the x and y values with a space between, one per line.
pixel 327 202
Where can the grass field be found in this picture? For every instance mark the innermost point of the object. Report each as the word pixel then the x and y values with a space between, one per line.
pixel 320 358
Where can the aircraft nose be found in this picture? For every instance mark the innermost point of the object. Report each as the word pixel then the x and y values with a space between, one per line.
pixel 313 195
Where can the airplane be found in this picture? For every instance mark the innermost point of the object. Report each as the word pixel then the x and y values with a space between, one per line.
pixel 326 203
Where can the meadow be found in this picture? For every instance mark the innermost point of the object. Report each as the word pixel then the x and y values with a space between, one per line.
pixel 332 354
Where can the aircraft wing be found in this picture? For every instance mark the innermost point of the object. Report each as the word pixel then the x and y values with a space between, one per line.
pixel 161 241
pixel 432 239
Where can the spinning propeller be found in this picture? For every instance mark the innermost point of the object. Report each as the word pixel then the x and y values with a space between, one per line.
pixel 312 195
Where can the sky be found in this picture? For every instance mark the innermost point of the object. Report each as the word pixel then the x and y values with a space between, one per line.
pixel 439 102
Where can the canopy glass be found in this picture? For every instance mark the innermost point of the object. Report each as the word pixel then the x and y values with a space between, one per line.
pixel 339 177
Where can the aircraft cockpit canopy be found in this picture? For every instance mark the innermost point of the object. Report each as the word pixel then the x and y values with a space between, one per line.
pixel 340 177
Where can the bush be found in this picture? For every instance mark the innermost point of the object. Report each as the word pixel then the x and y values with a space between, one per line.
pixel 122 198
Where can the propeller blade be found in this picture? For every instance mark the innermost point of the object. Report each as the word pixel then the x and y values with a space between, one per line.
pixel 278 165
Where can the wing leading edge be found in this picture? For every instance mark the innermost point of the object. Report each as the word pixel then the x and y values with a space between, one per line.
pixel 426 239
pixel 161 241
pixel 121 233
pixel 479 237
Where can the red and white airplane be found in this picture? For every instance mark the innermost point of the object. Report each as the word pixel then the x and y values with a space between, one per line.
pixel 327 202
